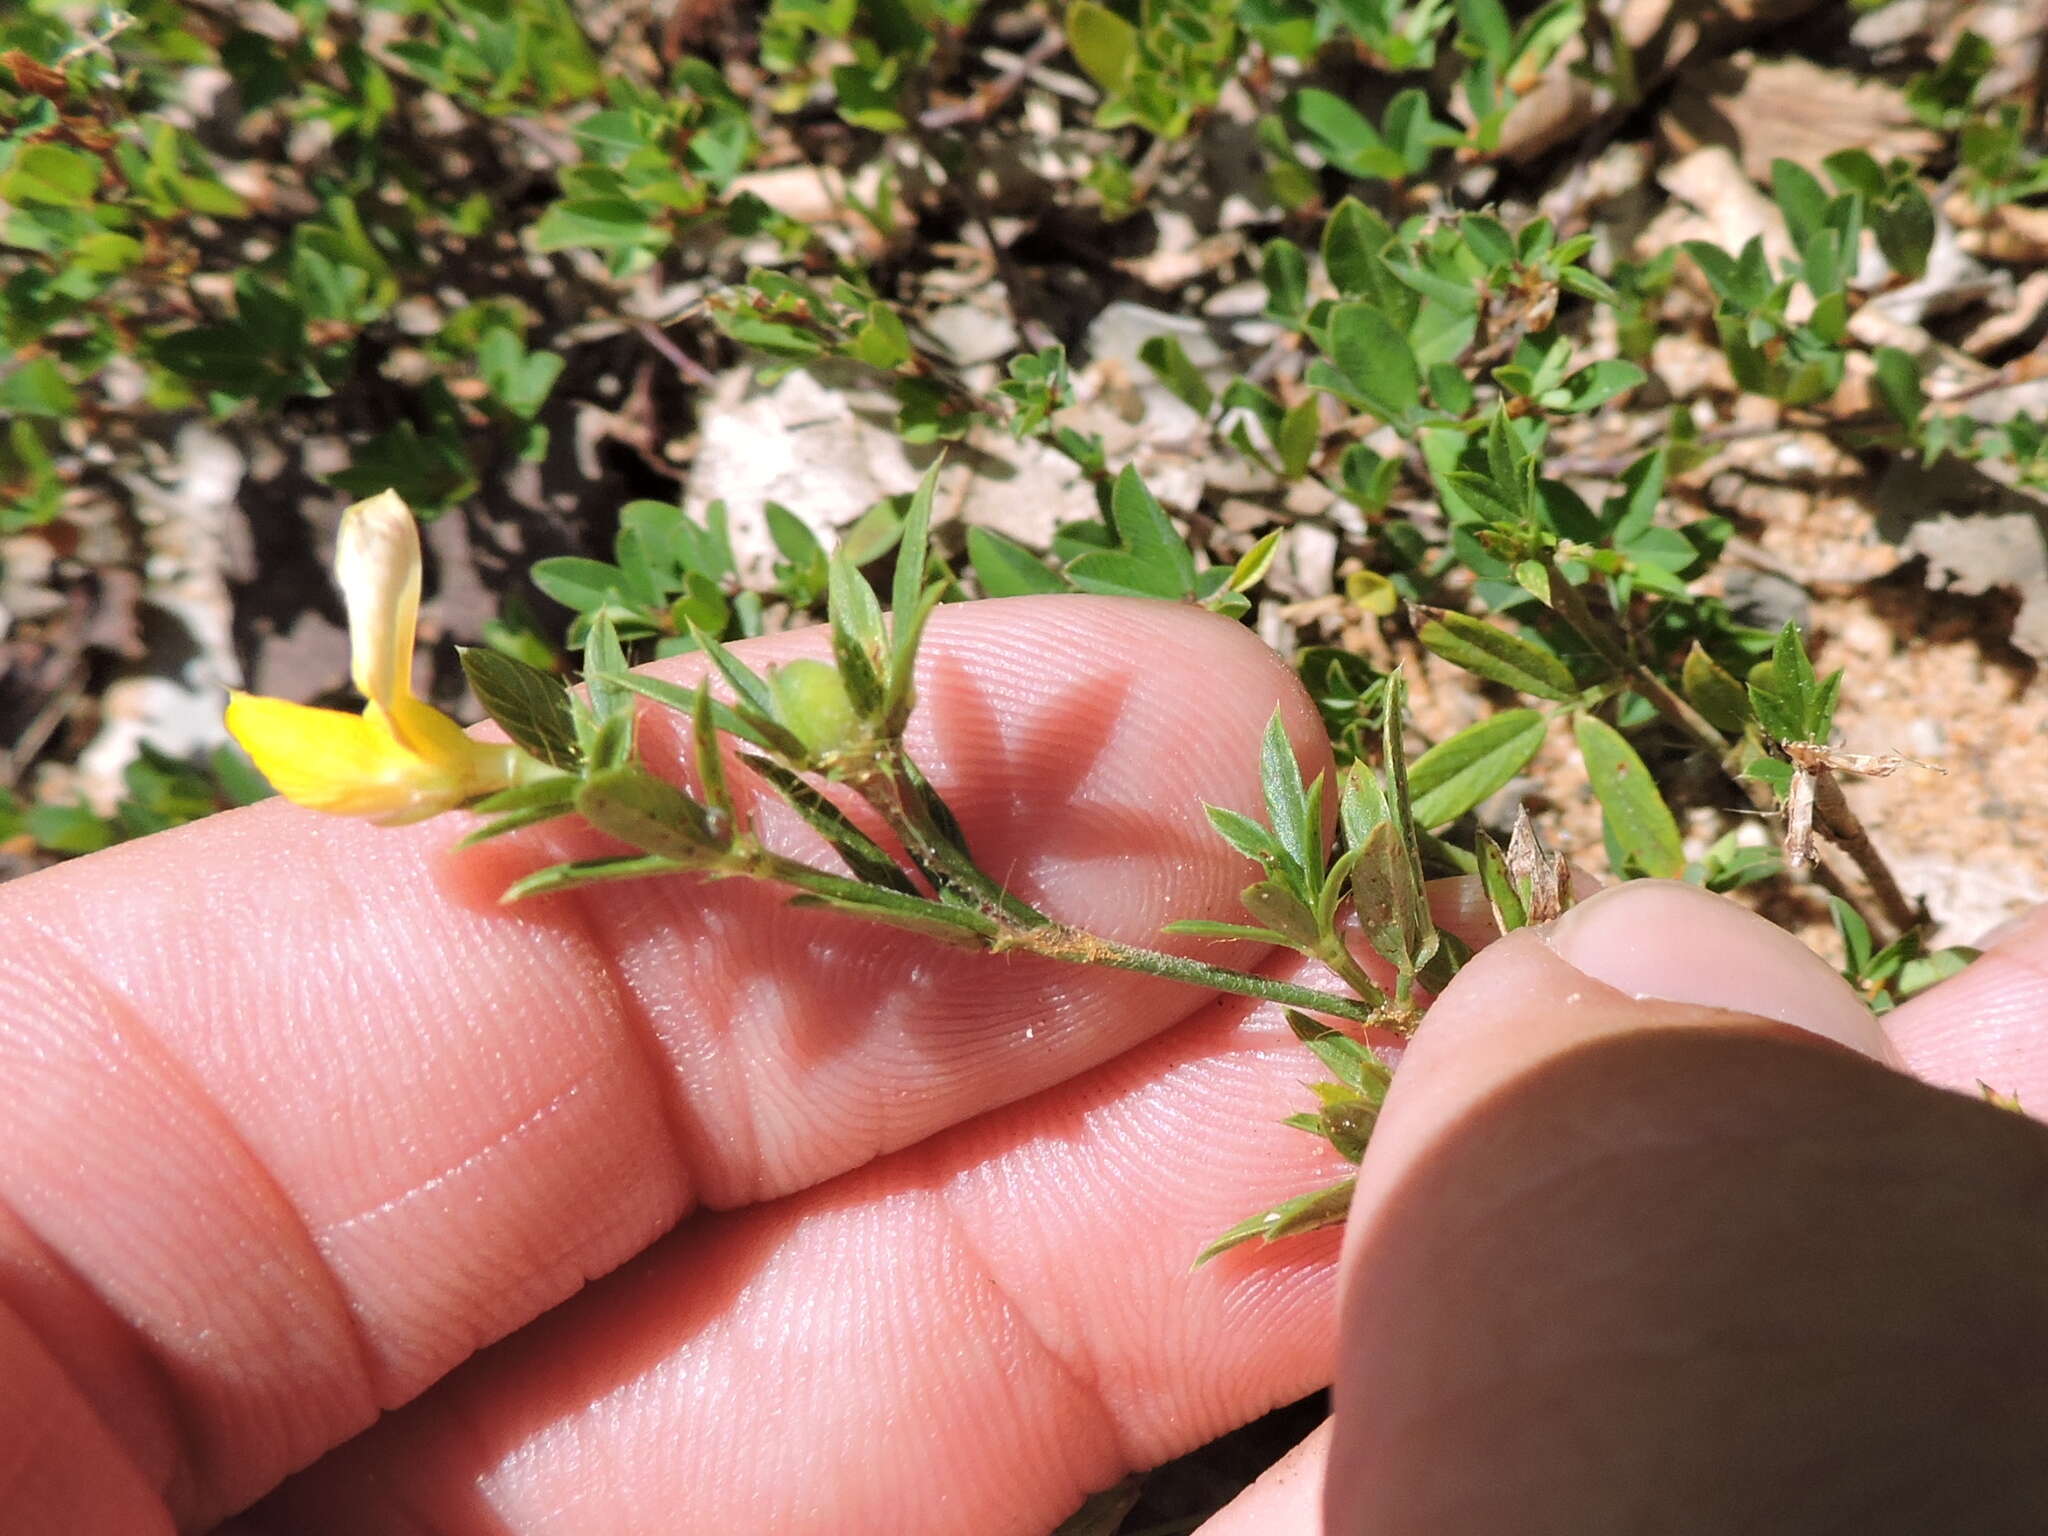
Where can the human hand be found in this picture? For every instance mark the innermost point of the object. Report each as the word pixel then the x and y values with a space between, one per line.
pixel 300 1119
pixel 1635 1250
pixel 297 1133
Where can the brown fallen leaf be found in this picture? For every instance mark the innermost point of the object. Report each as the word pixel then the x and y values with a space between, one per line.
pixel 1766 109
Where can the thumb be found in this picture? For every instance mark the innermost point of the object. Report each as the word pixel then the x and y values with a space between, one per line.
pixel 1634 1249
pixel 1645 955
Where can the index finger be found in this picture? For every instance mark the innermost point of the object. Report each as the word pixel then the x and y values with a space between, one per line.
pixel 300 1120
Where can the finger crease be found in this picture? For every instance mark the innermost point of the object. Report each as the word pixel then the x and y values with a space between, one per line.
pixel 1085 1380
pixel 137 1031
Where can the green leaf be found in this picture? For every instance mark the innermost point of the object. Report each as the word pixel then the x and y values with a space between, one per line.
pixel 1201 928
pixel 908 629
pixel 913 549
pixel 1898 385
pixel 706 757
pixel 1167 358
pixel 37 388
pixel 1353 239
pixel 1600 382
pixel 1450 388
pixel 747 685
pixel 594 223
pixel 1152 560
pixel 1509 910
pixel 749 722
pixel 1304 1213
pixel 634 806
pixel 566 877
pixel 1385 894
pixel 1497 655
pixel 1488 239
pixel 1717 266
pixel 1791 703
pixel 1638 820
pixel 1459 773
pixel 1247 836
pixel 1771 771
pixel 1484 26
pixel 1284 270
pixel 1301 431
pixel 868 860
pixel 1905 230
pixel 1252 566
pixel 1459 295
pixel 526 806
pixel 69 828
pixel 574 582
pixel 53 175
pixel 1801 198
pixel 604 662
pixel 1280 910
pixel 1288 805
pixel 911 603
pixel 1376 359
pixel 532 706
pixel 913 914
pixel 1344 138
pixel 1146 531
pixel 1713 691
pixel 1350 1061
pixel 1005 568
pixel 859 642
pixel 1103 44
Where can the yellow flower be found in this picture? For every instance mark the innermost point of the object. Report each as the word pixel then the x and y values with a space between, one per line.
pixel 400 760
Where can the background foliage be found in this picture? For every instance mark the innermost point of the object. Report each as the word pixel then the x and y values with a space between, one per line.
pixel 1460 393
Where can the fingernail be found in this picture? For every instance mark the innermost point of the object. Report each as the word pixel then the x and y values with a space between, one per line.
pixel 1676 943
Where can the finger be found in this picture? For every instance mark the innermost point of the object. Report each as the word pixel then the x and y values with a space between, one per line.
pixel 299 1118
pixel 1985 1026
pixel 1625 1260
pixel 1459 905
pixel 1287 1500
pixel 969 1335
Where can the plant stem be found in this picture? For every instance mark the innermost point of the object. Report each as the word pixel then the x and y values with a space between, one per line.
pixel 1846 831
pixel 1571 607
pixel 1059 942
pixel 1338 957
pixel 900 804
pixel 1075 946
pixel 1833 815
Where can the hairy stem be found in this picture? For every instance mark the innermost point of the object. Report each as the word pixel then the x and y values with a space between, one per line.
pixel 1337 955
pixel 1075 946
pixel 1059 942
pixel 899 803
pixel 1843 827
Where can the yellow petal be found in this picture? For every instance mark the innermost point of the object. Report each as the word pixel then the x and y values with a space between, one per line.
pixel 351 765
pixel 481 767
pixel 377 564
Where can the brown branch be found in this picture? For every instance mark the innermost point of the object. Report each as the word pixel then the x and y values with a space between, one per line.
pixel 987 98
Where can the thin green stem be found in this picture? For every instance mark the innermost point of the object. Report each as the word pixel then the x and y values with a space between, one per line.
pixel 1337 955
pixel 903 807
pixel 1571 607
pixel 1057 941
pixel 1060 942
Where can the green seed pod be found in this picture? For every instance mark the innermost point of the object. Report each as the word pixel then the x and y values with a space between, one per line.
pixel 812 702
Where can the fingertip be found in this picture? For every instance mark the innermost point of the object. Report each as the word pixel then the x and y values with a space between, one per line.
pixel 1645 955
pixel 1287 1498
pixel 1666 941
